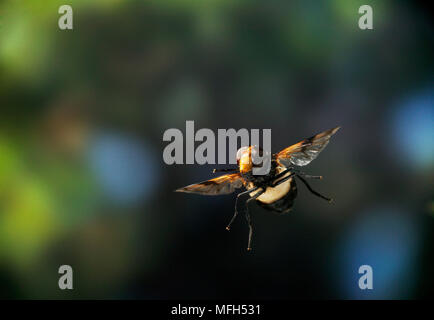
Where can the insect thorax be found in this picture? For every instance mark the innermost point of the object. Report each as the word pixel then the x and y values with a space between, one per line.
pixel 261 181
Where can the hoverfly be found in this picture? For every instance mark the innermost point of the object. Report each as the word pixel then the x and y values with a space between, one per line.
pixel 275 191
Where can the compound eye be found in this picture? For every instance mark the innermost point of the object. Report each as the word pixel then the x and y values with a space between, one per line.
pixel 240 152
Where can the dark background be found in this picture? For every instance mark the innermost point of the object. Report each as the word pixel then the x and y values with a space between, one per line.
pixel 83 182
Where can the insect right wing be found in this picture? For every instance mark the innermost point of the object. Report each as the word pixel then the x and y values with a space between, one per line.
pixel 224 184
pixel 303 152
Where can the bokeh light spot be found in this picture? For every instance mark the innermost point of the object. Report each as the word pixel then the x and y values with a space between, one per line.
pixel 413 130
pixel 387 239
pixel 125 168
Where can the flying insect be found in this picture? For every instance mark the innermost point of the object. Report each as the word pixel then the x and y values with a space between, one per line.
pixel 275 191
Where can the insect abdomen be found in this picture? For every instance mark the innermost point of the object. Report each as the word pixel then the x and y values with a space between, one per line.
pixel 283 204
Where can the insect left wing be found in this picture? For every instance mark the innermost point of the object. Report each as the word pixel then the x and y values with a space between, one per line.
pixel 221 185
pixel 303 152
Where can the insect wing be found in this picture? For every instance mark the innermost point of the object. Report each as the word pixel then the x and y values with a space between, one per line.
pixel 221 185
pixel 303 152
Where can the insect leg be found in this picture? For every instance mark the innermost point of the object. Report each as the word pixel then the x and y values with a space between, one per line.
pixel 313 191
pixel 282 173
pixel 236 206
pixel 283 180
pixel 311 177
pixel 249 219
pixel 299 173
pixel 224 170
